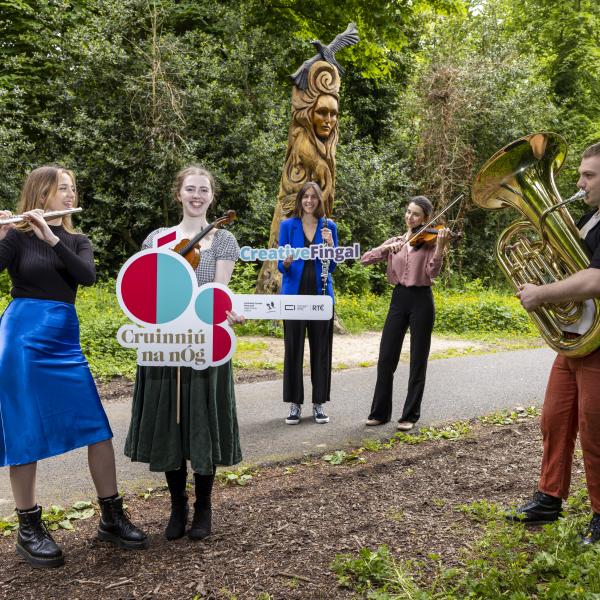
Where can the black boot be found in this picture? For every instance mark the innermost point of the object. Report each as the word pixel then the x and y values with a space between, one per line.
pixel 541 510
pixel 176 480
pixel 201 523
pixel 116 527
pixel 35 543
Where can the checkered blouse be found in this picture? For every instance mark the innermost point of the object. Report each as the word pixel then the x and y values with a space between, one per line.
pixel 224 247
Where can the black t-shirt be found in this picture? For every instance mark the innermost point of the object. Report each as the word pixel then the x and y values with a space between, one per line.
pixel 38 270
pixel 592 239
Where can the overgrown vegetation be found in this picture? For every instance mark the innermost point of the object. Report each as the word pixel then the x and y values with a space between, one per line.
pixel 474 311
pixel 127 91
pixel 507 561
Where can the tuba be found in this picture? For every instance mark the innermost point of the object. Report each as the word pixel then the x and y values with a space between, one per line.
pixel 544 246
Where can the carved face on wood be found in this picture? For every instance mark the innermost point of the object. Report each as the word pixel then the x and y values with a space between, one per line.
pixel 325 116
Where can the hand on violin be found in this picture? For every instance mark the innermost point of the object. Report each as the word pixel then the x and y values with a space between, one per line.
pixel 327 236
pixel 443 239
pixel 288 261
pixel 5 214
pixel 396 245
pixel 40 227
pixel 234 319
pixel 530 296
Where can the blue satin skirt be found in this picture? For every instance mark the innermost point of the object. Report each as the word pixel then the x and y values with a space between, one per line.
pixel 48 400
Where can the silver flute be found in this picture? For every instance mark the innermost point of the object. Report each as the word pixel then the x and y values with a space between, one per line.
pixel 53 214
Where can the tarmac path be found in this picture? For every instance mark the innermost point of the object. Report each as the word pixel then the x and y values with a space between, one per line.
pixel 457 388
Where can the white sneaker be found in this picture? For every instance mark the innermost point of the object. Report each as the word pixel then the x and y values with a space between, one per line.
pixel 294 416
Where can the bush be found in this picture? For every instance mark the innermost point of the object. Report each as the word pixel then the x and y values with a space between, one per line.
pixel 474 310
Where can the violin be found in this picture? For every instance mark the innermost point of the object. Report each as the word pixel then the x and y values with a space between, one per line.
pixel 428 236
pixel 428 233
pixel 190 249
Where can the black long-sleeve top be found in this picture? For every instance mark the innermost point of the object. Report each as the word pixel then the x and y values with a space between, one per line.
pixel 38 270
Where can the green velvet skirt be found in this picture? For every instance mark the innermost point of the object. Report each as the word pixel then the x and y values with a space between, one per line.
pixel 207 434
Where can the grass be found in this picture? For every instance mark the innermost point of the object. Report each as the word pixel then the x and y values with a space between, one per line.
pixel 488 316
pixel 506 561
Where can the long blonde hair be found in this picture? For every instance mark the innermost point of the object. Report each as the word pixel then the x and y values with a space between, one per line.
pixel 40 185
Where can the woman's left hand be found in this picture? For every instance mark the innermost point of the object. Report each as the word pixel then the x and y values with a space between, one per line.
pixel 327 236
pixel 443 238
pixel 234 319
pixel 39 226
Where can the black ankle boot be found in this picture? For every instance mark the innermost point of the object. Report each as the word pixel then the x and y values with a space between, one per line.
pixel 35 543
pixel 116 527
pixel 202 521
pixel 176 480
pixel 541 510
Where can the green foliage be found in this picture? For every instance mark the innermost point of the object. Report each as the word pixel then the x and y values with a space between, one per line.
pixel 55 518
pixel 100 318
pixel 242 476
pixel 508 417
pixel 472 312
pixel 340 457
pixel 478 309
pixel 507 561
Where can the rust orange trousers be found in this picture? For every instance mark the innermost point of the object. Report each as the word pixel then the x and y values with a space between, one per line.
pixel 571 405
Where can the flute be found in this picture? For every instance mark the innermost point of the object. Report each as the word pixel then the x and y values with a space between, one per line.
pixel 49 215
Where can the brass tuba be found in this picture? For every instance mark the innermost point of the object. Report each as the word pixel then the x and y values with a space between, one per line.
pixel 544 246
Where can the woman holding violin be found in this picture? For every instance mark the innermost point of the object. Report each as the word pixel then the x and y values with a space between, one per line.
pixel 206 433
pixel 49 404
pixel 411 268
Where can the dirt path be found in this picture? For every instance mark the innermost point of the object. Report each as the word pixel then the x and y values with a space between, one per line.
pixel 276 538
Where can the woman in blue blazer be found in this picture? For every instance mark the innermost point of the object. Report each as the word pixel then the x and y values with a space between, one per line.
pixel 306 227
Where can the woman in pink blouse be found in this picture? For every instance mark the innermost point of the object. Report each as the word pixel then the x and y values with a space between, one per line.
pixel 411 269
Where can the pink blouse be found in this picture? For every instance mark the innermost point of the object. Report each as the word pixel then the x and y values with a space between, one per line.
pixel 409 266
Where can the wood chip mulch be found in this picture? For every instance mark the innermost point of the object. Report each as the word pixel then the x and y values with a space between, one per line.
pixel 279 534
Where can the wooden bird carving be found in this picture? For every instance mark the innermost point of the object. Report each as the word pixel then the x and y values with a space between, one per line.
pixel 327 53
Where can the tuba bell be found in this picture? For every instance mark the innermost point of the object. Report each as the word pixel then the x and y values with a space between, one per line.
pixel 544 246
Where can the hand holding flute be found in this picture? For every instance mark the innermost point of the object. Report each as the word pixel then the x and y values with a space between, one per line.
pixel 5 215
pixel 37 219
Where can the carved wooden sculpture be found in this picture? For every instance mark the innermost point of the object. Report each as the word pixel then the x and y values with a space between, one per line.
pixel 312 141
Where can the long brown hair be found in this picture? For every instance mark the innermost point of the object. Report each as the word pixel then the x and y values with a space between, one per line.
pixel 319 211
pixel 40 185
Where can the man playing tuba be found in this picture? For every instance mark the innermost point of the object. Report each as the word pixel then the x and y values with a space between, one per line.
pixel 572 401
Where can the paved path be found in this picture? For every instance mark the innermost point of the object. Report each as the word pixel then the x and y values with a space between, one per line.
pixel 457 388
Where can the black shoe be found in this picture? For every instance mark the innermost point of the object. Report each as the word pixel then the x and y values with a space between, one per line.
pixel 201 523
pixel 319 414
pixel 592 533
pixel 294 416
pixel 34 542
pixel 178 520
pixel 541 510
pixel 115 526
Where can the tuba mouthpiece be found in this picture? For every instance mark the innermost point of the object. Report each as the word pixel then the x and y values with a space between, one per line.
pixel 580 195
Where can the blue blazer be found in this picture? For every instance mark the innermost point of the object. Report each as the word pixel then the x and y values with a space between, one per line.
pixel 291 232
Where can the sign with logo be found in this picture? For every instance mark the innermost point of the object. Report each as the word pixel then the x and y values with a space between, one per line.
pixel 177 323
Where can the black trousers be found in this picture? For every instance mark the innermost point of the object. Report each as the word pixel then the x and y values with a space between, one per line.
pixel 320 341
pixel 410 307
